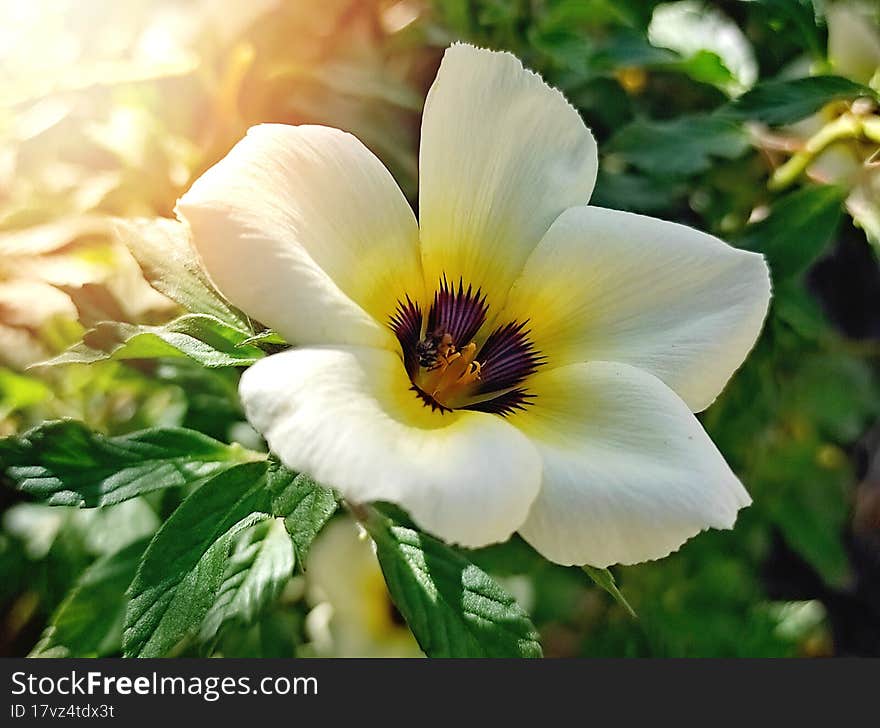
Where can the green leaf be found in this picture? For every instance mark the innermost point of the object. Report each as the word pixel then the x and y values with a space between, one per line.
pixel 18 392
pixel 814 535
pixel 634 192
pixel 786 101
pixel 605 579
pixel 808 504
pixel 184 566
pixel 453 608
pixel 305 506
pixel 795 307
pixel 168 261
pixel 838 393
pixel 681 147
pixel 206 339
pixel 630 49
pixel 88 623
pixel 796 21
pixel 186 576
pixel 256 572
pixel 708 67
pixel 267 337
pixel 797 230
pixel 66 464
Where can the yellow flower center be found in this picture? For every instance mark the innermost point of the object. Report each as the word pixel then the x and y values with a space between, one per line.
pixel 448 381
pixel 447 374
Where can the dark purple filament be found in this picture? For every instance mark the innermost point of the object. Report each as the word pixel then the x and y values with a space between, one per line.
pixel 458 314
pixel 507 357
pixel 407 325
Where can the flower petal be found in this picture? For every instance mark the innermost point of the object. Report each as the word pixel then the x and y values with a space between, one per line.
pixel 502 154
pixel 853 40
pixel 305 230
pixel 605 285
pixel 629 474
pixel 348 418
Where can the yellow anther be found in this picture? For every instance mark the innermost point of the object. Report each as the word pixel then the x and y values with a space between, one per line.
pixel 449 381
pixel 446 347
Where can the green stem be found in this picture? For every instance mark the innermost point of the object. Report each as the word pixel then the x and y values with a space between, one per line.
pixel 871 128
pixel 842 128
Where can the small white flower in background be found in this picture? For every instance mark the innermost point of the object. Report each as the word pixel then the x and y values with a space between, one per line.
pixel 516 360
pixel 854 39
pixel 854 52
pixel 353 614
pixel 690 27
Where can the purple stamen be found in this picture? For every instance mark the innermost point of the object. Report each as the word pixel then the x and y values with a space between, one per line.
pixel 458 314
pixel 491 384
pixel 507 358
pixel 503 404
pixel 407 325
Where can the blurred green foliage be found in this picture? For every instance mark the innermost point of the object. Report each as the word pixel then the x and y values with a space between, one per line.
pixel 685 133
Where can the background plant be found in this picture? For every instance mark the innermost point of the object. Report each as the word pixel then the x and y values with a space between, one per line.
pixel 149 520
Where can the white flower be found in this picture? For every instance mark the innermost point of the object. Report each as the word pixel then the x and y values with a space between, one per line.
pixel 690 27
pixel 353 614
pixel 854 40
pixel 854 52
pixel 516 360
